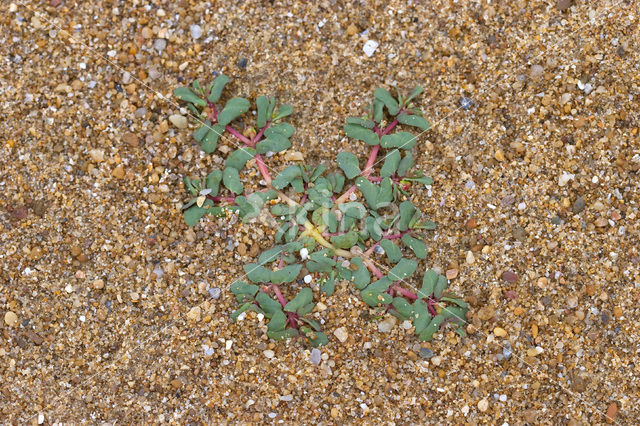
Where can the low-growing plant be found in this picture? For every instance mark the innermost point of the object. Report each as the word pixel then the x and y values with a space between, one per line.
pixel 330 223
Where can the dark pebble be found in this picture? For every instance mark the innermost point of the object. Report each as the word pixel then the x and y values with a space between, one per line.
pixel 578 205
pixel 242 62
pixel 426 353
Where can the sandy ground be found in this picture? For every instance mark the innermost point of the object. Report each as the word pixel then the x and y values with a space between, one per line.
pixel 535 154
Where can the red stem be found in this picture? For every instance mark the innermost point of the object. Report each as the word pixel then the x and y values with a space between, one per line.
pixel 368 168
pixel 375 271
pixel 257 137
pixel 263 169
pixel 278 294
pixel 219 198
pixel 238 135
pixel 403 292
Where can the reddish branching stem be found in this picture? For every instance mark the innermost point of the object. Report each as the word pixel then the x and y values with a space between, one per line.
pixel 403 292
pixel 278 293
pixel 263 169
pixel 222 199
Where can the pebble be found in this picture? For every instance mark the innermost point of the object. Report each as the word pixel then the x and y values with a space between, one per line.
pixel 180 121
pixel 563 5
pixel 499 155
pixel 483 405
pixel 315 357
pixel 370 47
pixel 352 30
pixel 293 156
pixel 436 360
pixel 536 72
pixel 214 293
pixel 242 62
pixel 196 31
pixel 533 352
pixel 160 44
pixel 509 276
pixel 98 284
pixel 572 301
pixel 611 412
pixel 470 258
pixel 507 351
pixel 130 139
pixel 11 319
pixel 341 334
pixel 500 332
pixel 466 103
pixel 194 313
pixel 451 273
pixel 97 155
pixel 565 178
pixel 387 324
pixel 118 172
pixel 426 353
pixel 269 353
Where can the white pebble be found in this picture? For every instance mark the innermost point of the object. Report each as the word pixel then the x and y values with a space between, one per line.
pixel 307 278
pixel 353 196
pixel 370 47
pixel 196 31
pixel 269 353
pixel 304 253
pixel 565 178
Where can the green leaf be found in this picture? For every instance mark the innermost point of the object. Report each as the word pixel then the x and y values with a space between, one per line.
pixel 402 140
pixel 328 285
pixel 349 164
pixel 202 131
pixel 284 129
pixel 373 294
pixel 367 124
pixel 306 309
pixel 391 162
pixel 361 276
pixel 434 325
pixel 385 195
pixel 378 111
pixel 456 313
pixel 241 287
pixel 345 241
pixel 429 281
pixel 405 164
pixel 330 219
pixel 274 143
pixel 213 182
pixel 415 121
pixel 238 158
pixel 315 325
pixel 263 105
pixel 358 132
pixel 187 95
pixel 303 298
pixel 282 335
pixel 194 213
pixel 320 339
pixel 189 186
pixel 317 172
pixel 234 108
pixel 426 180
pixel 283 111
pixel 210 140
pixel 268 305
pixel 196 86
pixel 231 180
pixel 285 177
pixel 391 250
pixel 403 269
pixel 388 100
pixel 458 302
pixel 369 190
pixel 216 88
pixel 244 308
pixel 286 274
pixel 278 321
pixel 407 210
pixel 414 93
pixel 353 209
pixel 337 181
pixel 372 226
pixel 421 316
pixel 419 248
pixel 441 285
pixel 402 306
pixel 257 273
